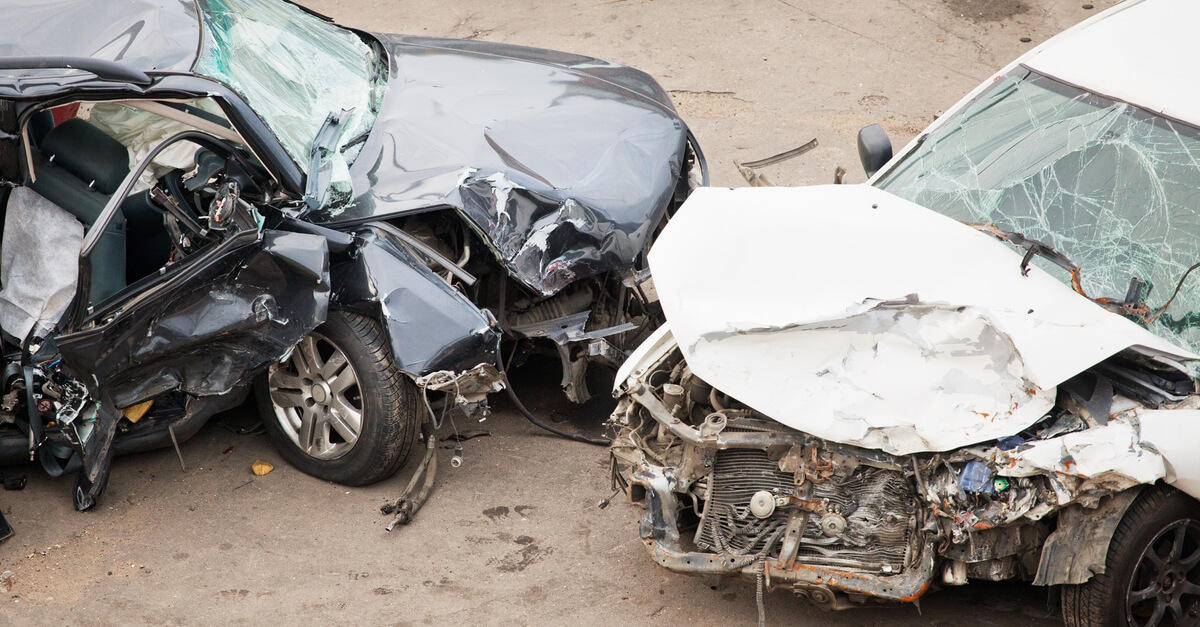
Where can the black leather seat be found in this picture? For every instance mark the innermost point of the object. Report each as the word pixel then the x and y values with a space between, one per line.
pixel 78 168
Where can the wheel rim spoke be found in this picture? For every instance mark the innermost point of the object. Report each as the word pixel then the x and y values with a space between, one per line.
pixel 287 398
pixel 1190 561
pixel 308 360
pixel 312 397
pixel 1159 611
pixel 340 424
pixel 308 428
pixel 1138 596
pixel 1176 610
pixel 343 381
pixel 350 414
pixel 1177 541
pixel 280 378
pixel 337 362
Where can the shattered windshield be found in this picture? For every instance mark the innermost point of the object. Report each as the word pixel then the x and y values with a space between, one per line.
pixel 1114 188
pixel 293 69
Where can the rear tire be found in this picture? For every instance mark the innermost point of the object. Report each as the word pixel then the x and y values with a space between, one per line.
pixel 1152 572
pixel 338 408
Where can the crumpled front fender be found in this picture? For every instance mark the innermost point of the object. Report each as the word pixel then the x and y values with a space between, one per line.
pixel 431 326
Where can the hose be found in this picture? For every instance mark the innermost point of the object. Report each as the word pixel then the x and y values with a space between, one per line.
pixel 512 395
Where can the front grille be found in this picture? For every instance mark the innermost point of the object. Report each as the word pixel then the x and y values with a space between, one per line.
pixel 727 525
pixel 877 505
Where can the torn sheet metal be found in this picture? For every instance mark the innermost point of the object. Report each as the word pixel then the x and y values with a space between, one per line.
pixel 564 164
pixel 1107 458
pixel 431 325
pixel 881 286
pixel 241 309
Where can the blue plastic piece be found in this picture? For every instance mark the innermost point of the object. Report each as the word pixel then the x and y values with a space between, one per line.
pixel 976 477
pixel 1010 442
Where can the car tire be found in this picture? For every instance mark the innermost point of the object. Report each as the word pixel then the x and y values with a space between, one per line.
pixel 303 388
pixel 1140 560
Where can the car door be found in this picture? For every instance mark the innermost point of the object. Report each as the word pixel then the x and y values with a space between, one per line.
pixel 209 324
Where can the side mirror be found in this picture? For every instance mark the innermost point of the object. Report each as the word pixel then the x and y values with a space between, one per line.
pixel 874 148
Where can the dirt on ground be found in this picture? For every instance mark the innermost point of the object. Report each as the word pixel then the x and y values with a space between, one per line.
pixel 515 535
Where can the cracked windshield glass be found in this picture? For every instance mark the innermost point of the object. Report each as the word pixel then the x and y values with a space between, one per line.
pixel 1113 187
pixel 294 69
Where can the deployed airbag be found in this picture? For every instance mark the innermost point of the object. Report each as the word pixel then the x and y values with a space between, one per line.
pixel 39 263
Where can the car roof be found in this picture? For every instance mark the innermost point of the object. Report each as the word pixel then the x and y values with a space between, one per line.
pixel 1137 52
pixel 146 35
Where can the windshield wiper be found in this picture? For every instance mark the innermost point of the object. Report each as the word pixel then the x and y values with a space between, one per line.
pixel 1035 248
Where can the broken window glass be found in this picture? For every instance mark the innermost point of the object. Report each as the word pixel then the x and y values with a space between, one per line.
pixel 1113 187
pixel 293 69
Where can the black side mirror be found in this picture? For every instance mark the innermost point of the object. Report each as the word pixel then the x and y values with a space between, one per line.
pixel 874 148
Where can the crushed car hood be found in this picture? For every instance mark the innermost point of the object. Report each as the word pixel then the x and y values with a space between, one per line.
pixel 562 163
pixel 859 317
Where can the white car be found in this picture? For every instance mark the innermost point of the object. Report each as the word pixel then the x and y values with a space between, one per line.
pixel 980 365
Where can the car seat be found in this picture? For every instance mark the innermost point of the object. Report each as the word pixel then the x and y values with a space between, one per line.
pixel 78 168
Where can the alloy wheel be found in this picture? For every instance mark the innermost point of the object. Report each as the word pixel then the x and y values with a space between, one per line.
pixel 317 398
pixel 1165 588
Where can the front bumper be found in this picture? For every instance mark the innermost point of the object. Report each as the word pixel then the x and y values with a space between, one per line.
pixel 662 486
pixel 660 534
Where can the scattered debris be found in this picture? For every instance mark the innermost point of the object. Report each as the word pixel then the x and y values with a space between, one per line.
pixel 261 468
pixel 16 482
pixel 756 179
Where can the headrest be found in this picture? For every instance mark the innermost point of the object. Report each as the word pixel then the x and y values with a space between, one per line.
pixel 86 152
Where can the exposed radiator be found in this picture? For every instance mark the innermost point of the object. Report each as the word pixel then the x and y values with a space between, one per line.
pixel 877 505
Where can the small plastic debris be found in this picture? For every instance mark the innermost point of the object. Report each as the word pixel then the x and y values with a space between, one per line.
pixel 16 482
pixel 227 451
pixel 457 460
pixel 134 413
pixel 261 468
pixel 976 478
pixel 1000 484
pixel 1010 442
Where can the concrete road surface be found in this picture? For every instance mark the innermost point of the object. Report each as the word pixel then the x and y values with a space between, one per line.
pixel 515 536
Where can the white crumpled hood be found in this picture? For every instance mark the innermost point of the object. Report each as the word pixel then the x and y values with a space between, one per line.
pixel 859 317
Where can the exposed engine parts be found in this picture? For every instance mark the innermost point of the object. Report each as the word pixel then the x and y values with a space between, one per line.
pixel 730 492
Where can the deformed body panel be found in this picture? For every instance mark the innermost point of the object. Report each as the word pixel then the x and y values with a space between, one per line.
pixel 226 319
pixel 140 34
pixel 564 164
pixel 431 325
pixel 977 340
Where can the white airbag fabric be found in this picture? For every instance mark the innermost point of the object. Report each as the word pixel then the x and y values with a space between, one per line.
pixel 39 262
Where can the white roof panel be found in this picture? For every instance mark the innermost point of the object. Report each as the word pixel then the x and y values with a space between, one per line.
pixel 1135 52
